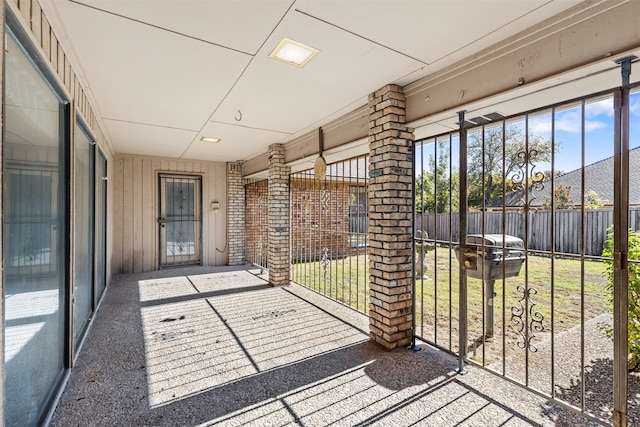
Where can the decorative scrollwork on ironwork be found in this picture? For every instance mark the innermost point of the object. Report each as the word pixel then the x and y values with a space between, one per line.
pixel 259 246
pixel 324 262
pixel 519 181
pixel 527 332
pixel 181 198
pixel 325 198
pixel 29 249
pixel 181 243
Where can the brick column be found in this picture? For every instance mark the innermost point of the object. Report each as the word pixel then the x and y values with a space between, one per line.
pixel 390 219
pixel 278 217
pixel 236 231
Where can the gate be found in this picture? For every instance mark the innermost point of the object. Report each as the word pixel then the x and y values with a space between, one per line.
pixel 329 231
pixel 257 236
pixel 539 315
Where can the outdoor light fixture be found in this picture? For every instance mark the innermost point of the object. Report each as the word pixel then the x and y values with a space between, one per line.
pixel 210 139
pixel 293 53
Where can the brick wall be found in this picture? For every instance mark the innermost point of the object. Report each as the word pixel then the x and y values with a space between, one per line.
pixel 235 214
pixel 278 208
pixel 319 218
pixel 256 195
pixel 390 219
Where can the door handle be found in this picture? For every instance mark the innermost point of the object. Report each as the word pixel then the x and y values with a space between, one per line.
pixel 162 222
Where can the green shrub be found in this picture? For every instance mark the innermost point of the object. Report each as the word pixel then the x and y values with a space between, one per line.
pixel 634 292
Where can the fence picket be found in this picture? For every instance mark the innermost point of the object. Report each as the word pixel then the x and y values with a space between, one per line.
pixel 567 233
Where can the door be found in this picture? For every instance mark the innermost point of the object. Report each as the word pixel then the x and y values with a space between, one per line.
pixel 83 285
pixel 180 220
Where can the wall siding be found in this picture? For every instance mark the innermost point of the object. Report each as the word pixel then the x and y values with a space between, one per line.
pixel 136 207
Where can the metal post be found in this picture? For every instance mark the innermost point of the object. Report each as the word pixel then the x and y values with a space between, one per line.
pixel 413 345
pixel 462 328
pixel 621 248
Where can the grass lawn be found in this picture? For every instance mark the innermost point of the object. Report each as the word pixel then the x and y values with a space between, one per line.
pixel 437 309
pixel 344 279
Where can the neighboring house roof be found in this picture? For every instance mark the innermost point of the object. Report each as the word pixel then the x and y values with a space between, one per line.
pixel 598 177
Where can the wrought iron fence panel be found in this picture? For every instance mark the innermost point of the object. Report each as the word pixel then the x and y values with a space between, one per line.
pixel 329 231
pixel 524 293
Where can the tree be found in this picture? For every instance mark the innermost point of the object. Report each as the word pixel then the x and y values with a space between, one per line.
pixel 592 200
pixel 562 196
pixel 501 161
pixel 434 186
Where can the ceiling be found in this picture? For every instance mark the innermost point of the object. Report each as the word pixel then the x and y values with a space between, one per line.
pixel 163 74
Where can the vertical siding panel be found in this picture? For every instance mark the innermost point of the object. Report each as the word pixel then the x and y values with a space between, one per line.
pixel 155 238
pixel 67 74
pixel 127 216
pixel 74 96
pixel 25 8
pixel 117 203
pixel 46 36
pixel 36 21
pixel 60 60
pixel 149 217
pixel 206 214
pixel 138 210
pixel 138 215
pixel 110 220
pixel 53 51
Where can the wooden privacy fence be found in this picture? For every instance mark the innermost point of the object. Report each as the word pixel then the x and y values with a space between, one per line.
pixel 569 231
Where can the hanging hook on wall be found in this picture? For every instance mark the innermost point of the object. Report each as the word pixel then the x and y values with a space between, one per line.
pixel 238 118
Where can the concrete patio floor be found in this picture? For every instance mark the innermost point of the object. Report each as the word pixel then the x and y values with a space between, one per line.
pixel 219 346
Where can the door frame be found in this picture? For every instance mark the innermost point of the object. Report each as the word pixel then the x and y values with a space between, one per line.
pixel 198 212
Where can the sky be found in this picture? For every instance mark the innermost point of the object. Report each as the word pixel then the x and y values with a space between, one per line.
pixel 598 134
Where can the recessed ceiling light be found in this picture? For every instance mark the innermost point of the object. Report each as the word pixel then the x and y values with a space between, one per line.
pixel 293 53
pixel 210 139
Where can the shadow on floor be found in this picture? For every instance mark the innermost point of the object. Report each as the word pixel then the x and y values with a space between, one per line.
pixel 219 347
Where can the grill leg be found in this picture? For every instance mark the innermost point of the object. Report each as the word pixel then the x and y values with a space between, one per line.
pixel 488 308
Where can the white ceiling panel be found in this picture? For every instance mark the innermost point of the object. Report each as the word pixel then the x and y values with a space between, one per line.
pixel 432 30
pixel 237 142
pixel 147 75
pixel 277 96
pixel 238 24
pixel 163 73
pixel 145 140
